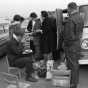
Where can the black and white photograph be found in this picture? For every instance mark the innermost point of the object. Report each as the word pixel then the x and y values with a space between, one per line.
pixel 43 43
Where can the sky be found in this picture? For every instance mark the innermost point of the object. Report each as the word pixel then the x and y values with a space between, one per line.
pixel 8 8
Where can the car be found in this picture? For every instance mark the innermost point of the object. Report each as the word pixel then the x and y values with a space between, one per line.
pixel 83 9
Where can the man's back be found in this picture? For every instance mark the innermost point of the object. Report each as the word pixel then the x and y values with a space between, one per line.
pixel 79 24
pixel 73 28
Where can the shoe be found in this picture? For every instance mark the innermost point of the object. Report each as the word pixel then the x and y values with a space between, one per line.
pixel 73 86
pixel 31 79
pixel 35 76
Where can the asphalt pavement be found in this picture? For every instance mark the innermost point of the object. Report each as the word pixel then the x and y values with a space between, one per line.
pixel 42 83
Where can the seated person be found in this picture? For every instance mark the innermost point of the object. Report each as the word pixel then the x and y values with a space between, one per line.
pixel 16 56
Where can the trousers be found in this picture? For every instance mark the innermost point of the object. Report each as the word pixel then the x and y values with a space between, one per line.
pixel 25 62
pixel 72 56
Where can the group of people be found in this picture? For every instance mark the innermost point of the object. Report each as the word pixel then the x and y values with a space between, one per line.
pixel 43 43
pixel 44 32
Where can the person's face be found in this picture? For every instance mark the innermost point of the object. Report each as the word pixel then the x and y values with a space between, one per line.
pixel 33 19
pixel 20 38
pixel 69 11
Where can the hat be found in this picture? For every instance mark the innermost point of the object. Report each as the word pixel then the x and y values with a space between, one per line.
pixel 44 13
pixel 33 15
pixel 18 30
pixel 72 5
pixel 16 17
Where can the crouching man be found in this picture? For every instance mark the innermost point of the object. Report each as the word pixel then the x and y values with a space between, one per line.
pixel 16 56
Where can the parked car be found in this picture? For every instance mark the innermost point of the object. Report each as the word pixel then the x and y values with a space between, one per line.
pixel 83 9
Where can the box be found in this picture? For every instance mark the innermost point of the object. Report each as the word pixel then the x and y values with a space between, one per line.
pixel 61 81
pixel 61 72
pixel 61 78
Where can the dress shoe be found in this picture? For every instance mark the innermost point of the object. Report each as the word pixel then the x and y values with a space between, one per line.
pixel 73 86
pixel 31 79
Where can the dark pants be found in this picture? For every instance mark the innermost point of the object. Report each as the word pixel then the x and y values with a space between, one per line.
pixel 36 42
pixel 72 63
pixel 58 55
pixel 25 62
pixel 74 67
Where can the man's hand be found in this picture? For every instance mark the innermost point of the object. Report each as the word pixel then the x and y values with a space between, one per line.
pixel 39 31
pixel 27 51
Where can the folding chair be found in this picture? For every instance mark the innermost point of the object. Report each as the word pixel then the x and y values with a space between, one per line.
pixel 5 76
pixel 13 70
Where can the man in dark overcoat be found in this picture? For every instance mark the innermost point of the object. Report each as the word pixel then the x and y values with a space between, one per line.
pixel 47 38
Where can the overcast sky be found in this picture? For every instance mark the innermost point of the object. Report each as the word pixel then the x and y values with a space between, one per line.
pixel 10 7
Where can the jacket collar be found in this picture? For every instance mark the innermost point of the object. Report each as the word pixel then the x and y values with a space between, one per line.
pixel 74 12
pixel 15 37
pixel 15 22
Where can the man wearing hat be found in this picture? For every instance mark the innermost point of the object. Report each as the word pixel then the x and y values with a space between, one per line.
pixel 73 27
pixel 15 54
pixel 47 38
pixel 17 19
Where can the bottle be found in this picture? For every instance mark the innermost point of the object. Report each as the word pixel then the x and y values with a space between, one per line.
pixel 49 69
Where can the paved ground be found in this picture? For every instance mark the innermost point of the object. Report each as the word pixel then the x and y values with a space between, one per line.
pixel 83 81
